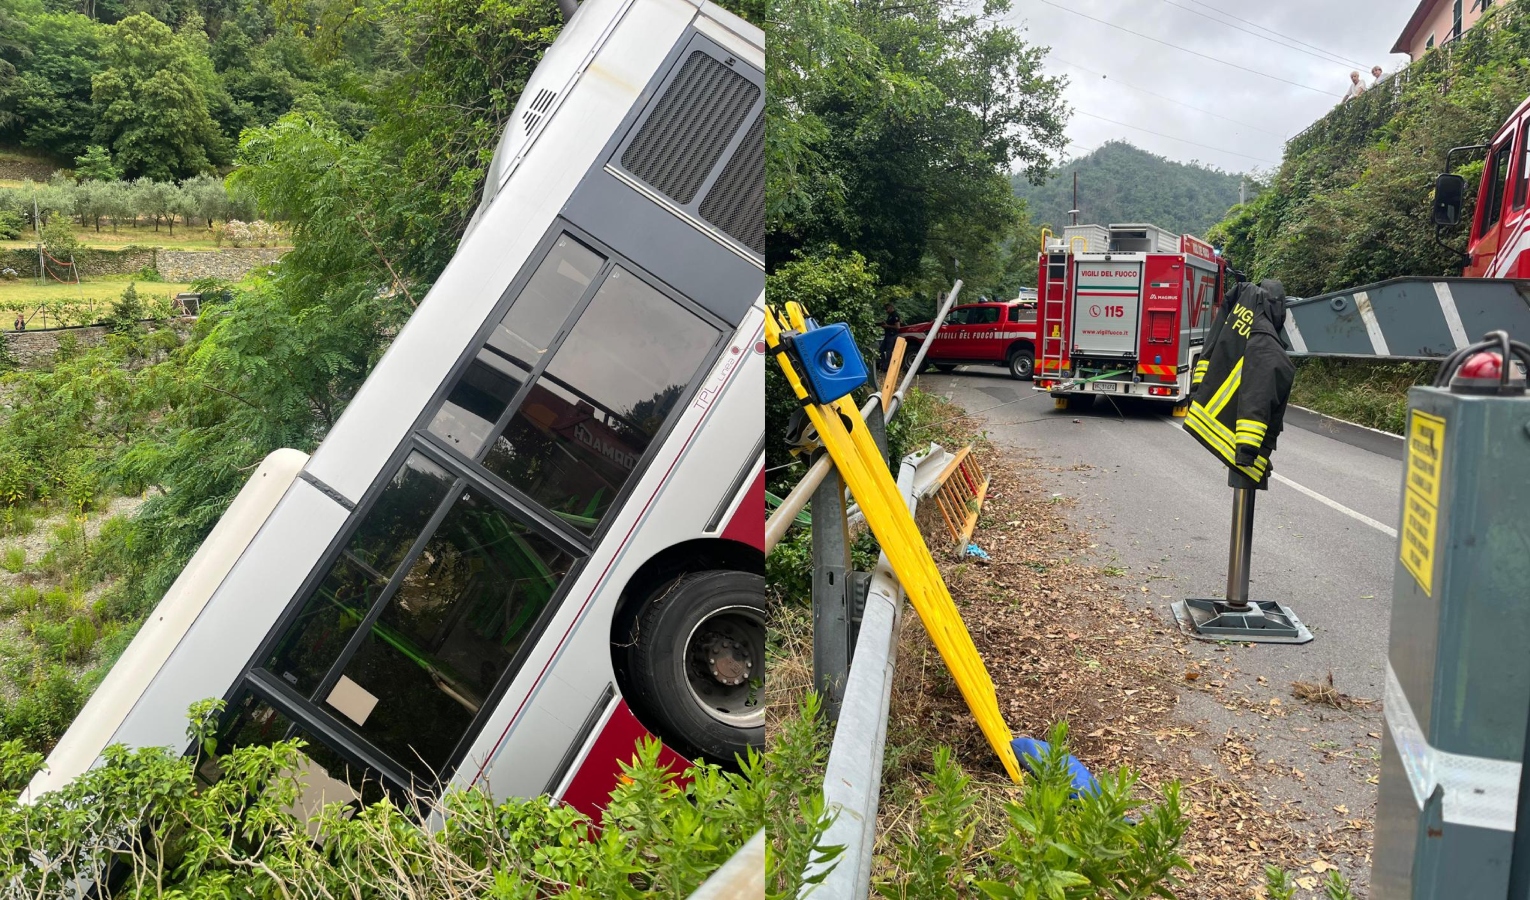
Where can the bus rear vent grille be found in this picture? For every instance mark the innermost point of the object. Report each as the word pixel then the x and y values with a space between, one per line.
pixel 690 127
pixel 538 108
pixel 736 203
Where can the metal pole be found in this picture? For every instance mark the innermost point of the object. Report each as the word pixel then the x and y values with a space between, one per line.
pixel 37 227
pixel 1074 210
pixel 1240 548
pixel 831 607
pixel 924 348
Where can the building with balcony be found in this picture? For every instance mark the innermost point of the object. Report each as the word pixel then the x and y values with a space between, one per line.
pixel 1437 22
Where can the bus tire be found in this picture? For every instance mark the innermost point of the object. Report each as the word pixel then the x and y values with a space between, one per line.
pixel 1022 363
pixel 698 663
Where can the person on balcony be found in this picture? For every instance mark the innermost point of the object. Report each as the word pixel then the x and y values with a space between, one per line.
pixel 1356 87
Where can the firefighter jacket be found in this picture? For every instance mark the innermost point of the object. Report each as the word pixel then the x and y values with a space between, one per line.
pixel 1242 381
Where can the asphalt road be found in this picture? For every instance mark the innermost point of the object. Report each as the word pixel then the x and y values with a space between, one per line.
pixel 1159 507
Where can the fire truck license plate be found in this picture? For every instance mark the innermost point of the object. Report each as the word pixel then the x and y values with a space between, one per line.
pixel 1108 387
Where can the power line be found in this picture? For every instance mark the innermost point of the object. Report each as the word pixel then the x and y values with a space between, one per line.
pixel 1327 57
pixel 1278 34
pixel 1173 138
pixel 1187 49
pixel 1162 97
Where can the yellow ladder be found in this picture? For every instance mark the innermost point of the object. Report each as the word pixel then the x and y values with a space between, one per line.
pixel 959 497
pixel 849 443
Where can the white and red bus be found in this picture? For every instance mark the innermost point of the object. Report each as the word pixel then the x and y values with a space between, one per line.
pixel 536 533
pixel 1124 310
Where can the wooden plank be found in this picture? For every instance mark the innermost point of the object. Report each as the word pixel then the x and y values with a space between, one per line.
pixel 890 378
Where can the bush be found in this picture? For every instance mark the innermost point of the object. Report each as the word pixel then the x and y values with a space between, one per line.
pixel 14 560
pixel 58 238
pixel 11 225
pixel 662 832
pixel 127 310
pixel 41 715
pixel 1058 845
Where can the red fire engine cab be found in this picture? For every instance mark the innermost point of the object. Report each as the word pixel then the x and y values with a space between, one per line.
pixel 1499 243
pixel 1123 310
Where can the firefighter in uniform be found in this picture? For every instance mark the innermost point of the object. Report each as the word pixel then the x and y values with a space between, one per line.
pixel 1241 385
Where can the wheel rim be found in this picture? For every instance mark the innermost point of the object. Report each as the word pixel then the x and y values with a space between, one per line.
pixel 725 666
pixel 1020 366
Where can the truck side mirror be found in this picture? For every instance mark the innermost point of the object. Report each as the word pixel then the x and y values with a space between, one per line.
pixel 1448 191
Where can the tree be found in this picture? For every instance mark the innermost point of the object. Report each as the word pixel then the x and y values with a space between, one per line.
pixel 48 101
pixel 208 198
pixel 95 165
pixel 151 102
pixel 891 129
pixel 92 202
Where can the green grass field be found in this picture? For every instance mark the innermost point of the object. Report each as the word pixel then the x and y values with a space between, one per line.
pixel 53 304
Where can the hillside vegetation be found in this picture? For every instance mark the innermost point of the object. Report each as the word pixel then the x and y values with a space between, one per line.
pixel 1351 202
pixel 1122 183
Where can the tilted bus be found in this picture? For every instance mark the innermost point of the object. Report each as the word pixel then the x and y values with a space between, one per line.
pixel 536 533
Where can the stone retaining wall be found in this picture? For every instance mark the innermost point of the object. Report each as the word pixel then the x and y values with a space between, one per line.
pixel 173 265
pixel 36 348
pixel 231 264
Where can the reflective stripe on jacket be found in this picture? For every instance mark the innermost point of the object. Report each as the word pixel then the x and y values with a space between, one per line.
pixel 1242 383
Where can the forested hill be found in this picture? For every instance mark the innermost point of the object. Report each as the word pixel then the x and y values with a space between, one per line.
pixel 1122 183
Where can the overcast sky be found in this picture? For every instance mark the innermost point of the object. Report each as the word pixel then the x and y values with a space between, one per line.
pixel 1267 111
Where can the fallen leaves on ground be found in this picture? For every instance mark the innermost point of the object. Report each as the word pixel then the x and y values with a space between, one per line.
pixel 1062 642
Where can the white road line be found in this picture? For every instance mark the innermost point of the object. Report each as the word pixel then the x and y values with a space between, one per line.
pixel 1359 517
pixel 1387 530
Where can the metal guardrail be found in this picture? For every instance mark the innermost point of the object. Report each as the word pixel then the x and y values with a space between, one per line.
pixel 742 877
pixel 848 626
pixel 853 778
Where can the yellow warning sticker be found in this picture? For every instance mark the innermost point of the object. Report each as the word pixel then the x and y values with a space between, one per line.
pixel 1421 499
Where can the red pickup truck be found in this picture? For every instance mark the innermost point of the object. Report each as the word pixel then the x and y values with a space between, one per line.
pixel 984 334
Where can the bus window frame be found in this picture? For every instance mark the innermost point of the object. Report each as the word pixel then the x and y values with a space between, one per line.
pixel 469 472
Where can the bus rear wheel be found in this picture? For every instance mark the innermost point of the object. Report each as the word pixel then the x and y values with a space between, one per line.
pixel 698 664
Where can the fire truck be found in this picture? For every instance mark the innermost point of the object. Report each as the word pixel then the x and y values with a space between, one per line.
pixel 536 534
pixel 1499 243
pixel 1123 310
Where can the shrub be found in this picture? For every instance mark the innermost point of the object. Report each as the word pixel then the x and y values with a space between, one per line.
pixel 43 712
pixel 1058 844
pixel 58 238
pixel 127 310
pixel 662 832
pixel 14 560
pixel 11 225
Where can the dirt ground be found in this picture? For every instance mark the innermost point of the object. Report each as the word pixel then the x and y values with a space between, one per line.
pixel 1068 640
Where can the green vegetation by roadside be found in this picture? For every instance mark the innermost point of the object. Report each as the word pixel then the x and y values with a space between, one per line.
pixel 169 833
pixel 1367 393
